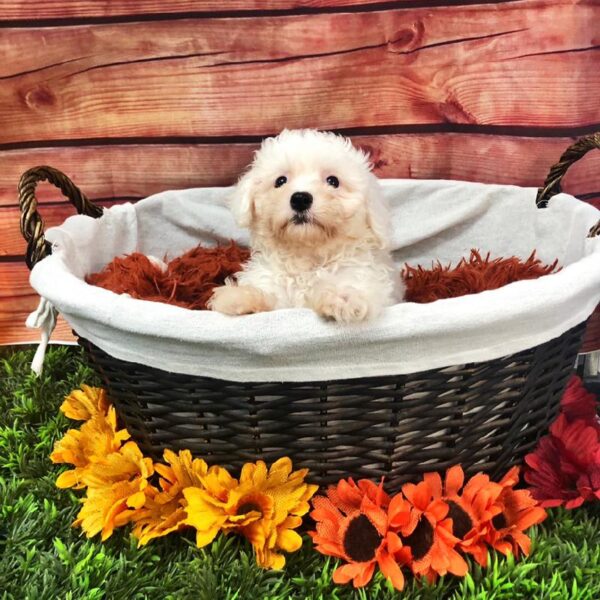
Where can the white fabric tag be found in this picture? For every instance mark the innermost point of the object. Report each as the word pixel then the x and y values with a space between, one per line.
pixel 44 318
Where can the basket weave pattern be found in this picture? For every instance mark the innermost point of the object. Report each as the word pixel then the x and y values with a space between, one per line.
pixel 483 415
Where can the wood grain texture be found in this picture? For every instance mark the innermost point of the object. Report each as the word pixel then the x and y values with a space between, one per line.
pixel 135 171
pixel 492 65
pixel 126 173
pixel 61 9
pixel 17 300
pixel 11 240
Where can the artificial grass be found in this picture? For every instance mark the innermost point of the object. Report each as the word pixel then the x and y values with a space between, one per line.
pixel 42 557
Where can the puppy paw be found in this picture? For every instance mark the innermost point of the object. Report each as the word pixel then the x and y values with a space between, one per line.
pixel 346 306
pixel 239 300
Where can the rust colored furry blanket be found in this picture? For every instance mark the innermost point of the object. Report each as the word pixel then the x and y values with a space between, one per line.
pixel 189 280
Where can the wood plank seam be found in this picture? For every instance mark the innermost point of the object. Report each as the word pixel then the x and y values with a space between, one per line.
pixel 467 128
pixel 74 21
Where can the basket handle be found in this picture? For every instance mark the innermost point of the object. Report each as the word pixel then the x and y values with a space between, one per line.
pixel 32 225
pixel 571 155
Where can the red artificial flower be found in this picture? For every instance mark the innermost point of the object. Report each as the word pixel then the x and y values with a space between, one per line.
pixel 352 524
pixel 564 469
pixel 578 403
pixel 517 511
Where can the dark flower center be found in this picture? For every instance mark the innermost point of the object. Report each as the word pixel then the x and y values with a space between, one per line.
pixel 421 539
pixel 461 521
pixel 361 540
pixel 248 507
pixel 499 521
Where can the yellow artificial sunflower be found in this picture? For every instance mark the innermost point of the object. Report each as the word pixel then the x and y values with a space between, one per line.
pixel 164 509
pixel 111 506
pixel 210 508
pixel 85 403
pixel 97 438
pixel 289 494
pixel 265 506
pixel 115 491
pixel 124 465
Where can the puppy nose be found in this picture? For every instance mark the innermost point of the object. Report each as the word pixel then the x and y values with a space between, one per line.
pixel 301 201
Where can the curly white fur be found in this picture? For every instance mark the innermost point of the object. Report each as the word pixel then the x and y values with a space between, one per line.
pixel 336 258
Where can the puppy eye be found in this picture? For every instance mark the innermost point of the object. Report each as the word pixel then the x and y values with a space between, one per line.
pixel 333 181
pixel 280 181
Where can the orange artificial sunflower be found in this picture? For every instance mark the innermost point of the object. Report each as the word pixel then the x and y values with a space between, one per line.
pixel 516 511
pixel 358 532
pixel 428 534
pixel 164 509
pixel 85 403
pixel 265 506
pixel 97 438
pixel 348 495
pixel 471 511
pixel 115 491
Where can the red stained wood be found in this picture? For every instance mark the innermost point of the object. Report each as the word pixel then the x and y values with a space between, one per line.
pixel 61 9
pixel 109 173
pixel 137 171
pixel 475 65
pixel 594 201
pixel 17 300
pixel 126 171
pixel 11 240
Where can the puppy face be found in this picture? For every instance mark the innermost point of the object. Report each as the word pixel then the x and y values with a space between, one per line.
pixel 309 187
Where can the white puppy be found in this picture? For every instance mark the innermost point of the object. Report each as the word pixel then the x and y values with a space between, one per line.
pixel 319 231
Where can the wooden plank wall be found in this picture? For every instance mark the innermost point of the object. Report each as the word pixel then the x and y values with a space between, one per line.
pixel 133 97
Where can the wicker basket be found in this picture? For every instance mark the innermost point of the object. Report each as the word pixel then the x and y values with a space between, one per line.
pixel 485 415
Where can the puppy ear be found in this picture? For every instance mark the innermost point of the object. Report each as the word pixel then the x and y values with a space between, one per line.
pixel 378 213
pixel 242 201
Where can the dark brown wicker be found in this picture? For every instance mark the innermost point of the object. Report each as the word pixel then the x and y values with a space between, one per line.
pixel 484 415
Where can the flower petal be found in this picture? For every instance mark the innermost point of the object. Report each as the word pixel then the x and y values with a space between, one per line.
pixel 137 500
pixel 68 479
pixel 399 511
pixel 365 575
pixel 439 509
pixel 289 541
pixel 434 481
pixel 390 569
pixel 394 543
pixel 205 537
pixel 457 564
pixel 347 572
pixel 455 479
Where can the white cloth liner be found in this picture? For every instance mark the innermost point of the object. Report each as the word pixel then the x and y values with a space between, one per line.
pixel 431 220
